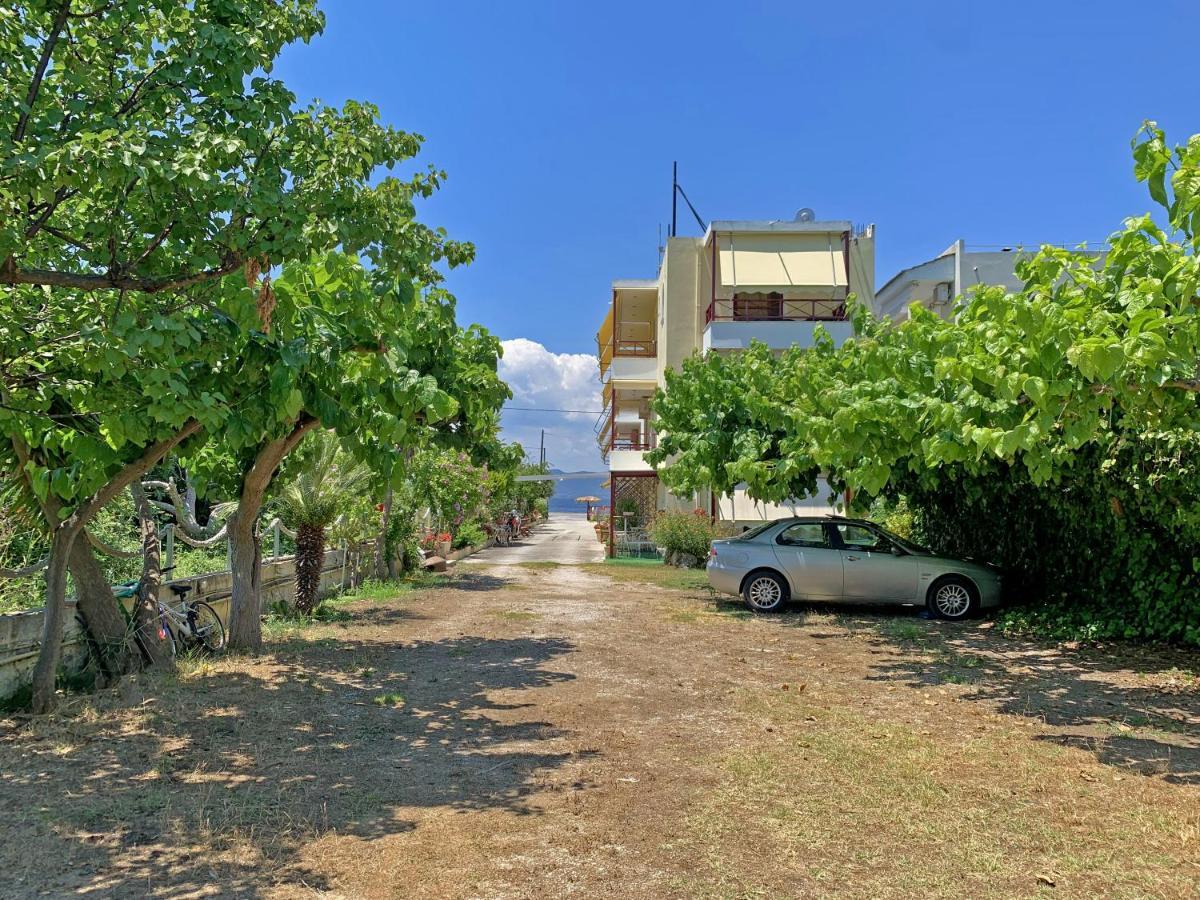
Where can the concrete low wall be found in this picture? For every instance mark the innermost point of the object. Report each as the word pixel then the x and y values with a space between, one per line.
pixel 456 555
pixel 21 633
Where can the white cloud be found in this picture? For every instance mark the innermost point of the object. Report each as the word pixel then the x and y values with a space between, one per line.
pixel 542 379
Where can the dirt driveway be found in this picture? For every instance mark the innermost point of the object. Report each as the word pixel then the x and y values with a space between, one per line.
pixel 604 731
pixel 563 538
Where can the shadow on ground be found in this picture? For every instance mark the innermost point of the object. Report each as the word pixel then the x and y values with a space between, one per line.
pixel 258 756
pixel 1134 708
pixel 477 581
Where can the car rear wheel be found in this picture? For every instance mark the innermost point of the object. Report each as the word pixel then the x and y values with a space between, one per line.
pixel 953 598
pixel 765 592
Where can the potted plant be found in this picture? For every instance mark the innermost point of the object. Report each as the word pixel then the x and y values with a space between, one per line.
pixel 443 544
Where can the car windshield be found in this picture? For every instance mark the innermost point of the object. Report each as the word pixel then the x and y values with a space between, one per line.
pixel 753 532
pixel 906 545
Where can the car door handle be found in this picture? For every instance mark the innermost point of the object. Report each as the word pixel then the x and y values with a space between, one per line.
pixel 852 558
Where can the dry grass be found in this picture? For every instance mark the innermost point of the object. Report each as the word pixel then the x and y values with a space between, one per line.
pixel 615 731
pixel 862 805
pixel 650 573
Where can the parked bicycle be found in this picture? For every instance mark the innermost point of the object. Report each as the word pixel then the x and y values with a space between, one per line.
pixel 191 624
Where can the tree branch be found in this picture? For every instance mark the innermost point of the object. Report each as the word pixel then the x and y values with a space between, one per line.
pixel 135 470
pixel 10 274
pixel 154 244
pixel 35 86
pixel 183 508
pixel 24 572
pixel 132 99
pixel 108 549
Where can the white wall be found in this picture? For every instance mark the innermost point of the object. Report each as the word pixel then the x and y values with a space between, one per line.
pixel 722 335
pixel 628 461
pixel 742 509
pixel 633 368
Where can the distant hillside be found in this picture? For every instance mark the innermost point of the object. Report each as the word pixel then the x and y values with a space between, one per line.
pixel 565 492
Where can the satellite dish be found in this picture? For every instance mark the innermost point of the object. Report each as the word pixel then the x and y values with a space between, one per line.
pixel 805 215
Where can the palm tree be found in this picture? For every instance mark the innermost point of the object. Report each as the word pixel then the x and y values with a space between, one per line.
pixel 312 502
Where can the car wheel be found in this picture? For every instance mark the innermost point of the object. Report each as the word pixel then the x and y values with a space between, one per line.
pixel 765 592
pixel 953 598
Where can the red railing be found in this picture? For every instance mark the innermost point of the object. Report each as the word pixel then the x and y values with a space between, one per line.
pixel 774 309
pixel 634 339
pixel 632 443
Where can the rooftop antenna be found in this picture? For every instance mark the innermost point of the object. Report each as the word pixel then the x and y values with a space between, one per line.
pixel 676 192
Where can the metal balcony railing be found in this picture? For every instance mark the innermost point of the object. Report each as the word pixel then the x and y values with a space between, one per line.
pixel 774 309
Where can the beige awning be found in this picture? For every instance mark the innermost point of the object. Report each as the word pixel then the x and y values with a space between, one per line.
pixel 810 264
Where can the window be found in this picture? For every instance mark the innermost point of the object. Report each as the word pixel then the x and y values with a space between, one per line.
pixel 855 537
pixel 804 534
pixel 758 306
pixel 751 533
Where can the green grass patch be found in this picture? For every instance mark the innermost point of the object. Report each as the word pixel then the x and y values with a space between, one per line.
pixel 516 615
pixel 390 590
pixel 650 571
pixel 392 700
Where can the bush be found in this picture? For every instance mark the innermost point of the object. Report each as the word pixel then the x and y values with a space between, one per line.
pixel 685 537
pixel 894 515
pixel 469 535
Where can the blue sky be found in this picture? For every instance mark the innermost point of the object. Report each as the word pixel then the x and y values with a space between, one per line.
pixel 1001 123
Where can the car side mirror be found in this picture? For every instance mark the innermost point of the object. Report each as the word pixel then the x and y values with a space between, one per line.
pixel 898 551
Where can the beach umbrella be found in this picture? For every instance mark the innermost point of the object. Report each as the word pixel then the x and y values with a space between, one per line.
pixel 589 500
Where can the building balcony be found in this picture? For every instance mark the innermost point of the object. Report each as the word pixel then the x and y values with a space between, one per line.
pixel 731 324
pixel 628 461
pixel 629 330
pixel 624 430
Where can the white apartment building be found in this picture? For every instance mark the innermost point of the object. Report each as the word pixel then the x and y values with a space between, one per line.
pixel 938 282
pixel 771 281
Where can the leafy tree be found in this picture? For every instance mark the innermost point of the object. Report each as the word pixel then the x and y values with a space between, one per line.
pixel 328 483
pixel 453 488
pixel 341 362
pixel 148 164
pixel 1087 376
pixel 465 363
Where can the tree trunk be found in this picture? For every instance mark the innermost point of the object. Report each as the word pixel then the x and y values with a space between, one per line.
pixel 245 563
pixel 154 640
pixel 245 556
pixel 46 670
pixel 384 565
pixel 310 559
pixel 108 630
pixel 64 535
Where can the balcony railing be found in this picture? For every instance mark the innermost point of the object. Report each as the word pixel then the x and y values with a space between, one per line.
pixel 774 309
pixel 646 443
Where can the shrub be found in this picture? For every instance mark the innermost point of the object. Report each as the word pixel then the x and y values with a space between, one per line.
pixel 469 535
pixel 894 515
pixel 681 535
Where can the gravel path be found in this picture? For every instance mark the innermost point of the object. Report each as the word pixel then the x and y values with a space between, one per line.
pixel 565 538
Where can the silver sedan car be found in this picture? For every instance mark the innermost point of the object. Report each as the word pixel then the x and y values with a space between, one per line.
pixel 838 560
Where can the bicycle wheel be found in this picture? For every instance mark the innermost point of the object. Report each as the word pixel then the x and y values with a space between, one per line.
pixel 207 629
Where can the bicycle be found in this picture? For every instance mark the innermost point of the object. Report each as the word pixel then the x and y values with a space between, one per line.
pixel 190 624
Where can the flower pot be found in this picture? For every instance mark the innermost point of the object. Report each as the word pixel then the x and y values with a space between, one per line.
pixel 443 549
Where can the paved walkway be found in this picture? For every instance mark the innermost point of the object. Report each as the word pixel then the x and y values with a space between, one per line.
pixel 564 538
